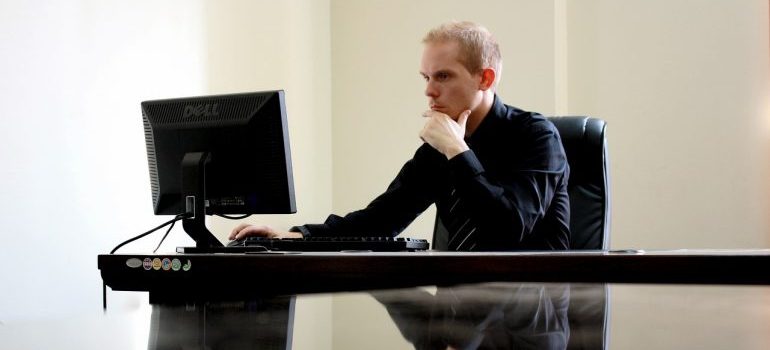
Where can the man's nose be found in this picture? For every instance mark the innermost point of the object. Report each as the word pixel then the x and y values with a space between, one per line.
pixel 431 90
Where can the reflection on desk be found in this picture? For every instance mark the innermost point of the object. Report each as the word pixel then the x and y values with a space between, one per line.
pixel 500 316
pixel 642 316
pixel 256 324
pixel 484 316
pixel 492 317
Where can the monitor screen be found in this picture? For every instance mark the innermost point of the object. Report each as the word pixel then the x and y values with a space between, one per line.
pixel 219 154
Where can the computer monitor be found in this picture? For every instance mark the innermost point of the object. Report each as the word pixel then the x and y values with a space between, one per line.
pixel 219 154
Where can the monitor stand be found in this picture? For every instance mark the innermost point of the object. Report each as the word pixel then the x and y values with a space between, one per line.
pixel 194 198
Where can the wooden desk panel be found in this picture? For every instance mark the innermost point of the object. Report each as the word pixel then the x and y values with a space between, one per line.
pixel 289 273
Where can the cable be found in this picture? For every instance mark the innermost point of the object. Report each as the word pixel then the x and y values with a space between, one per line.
pixel 175 219
pixel 164 237
pixel 233 217
pixel 172 222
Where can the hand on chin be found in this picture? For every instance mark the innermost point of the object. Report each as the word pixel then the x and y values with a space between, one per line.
pixel 444 133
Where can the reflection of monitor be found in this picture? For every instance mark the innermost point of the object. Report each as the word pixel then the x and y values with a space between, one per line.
pixel 221 154
pixel 266 323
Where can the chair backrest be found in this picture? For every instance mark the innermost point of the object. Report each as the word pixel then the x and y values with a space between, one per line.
pixel 585 143
pixel 589 195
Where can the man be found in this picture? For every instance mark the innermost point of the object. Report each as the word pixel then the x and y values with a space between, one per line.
pixel 497 174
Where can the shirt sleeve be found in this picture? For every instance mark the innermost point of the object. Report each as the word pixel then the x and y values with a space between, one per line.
pixel 509 203
pixel 407 196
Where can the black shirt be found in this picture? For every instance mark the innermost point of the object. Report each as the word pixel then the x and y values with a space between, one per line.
pixel 512 184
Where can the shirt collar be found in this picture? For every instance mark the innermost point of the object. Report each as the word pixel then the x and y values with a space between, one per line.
pixel 498 109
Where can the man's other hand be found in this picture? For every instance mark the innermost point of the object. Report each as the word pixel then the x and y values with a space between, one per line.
pixel 246 230
pixel 444 134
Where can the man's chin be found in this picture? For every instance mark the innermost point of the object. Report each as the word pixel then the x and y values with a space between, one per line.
pixel 446 111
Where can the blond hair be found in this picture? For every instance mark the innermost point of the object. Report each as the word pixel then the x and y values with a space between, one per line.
pixel 478 48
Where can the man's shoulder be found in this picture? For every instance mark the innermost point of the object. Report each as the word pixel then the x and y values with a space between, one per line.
pixel 537 138
pixel 527 122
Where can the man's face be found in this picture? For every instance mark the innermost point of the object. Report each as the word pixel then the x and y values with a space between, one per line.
pixel 450 87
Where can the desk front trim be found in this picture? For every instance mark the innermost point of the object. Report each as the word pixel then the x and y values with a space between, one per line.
pixel 282 273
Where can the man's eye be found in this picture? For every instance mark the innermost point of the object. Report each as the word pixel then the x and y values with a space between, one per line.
pixel 442 76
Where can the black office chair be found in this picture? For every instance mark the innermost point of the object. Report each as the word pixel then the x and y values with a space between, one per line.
pixel 589 194
pixel 589 182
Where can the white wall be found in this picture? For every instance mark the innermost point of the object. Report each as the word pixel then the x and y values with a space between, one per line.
pixel 262 45
pixel 684 88
pixel 74 175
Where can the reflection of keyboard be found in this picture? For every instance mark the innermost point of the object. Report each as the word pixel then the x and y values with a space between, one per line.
pixel 333 244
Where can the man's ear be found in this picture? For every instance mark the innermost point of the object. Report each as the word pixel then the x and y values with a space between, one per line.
pixel 487 79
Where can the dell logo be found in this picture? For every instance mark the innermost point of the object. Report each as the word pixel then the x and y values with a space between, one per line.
pixel 204 110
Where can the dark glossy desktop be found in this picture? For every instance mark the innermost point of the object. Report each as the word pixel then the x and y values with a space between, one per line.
pixel 707 299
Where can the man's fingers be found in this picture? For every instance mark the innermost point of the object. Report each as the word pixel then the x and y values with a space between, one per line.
pixel 236 230
pixel 463 118
pixel 242 234
pixel 246 230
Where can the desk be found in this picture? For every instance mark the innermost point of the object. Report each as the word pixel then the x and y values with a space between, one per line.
pixel 241 275
pixel 711 299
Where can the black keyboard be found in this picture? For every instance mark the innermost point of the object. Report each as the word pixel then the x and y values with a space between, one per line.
pixel 333 244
